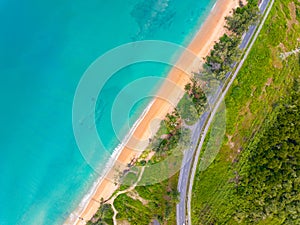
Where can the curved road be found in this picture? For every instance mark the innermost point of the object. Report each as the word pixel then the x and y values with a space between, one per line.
pixel 187 162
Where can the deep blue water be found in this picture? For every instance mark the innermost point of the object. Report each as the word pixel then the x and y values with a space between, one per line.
pixel 45 47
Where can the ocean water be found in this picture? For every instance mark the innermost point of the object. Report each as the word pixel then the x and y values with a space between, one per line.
pixel 45 47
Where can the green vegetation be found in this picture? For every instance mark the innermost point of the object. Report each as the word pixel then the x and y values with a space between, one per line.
pixel 103 216
pixel 151 199
pixel 242 18
pixel 255 176
pixel 226 51
pixel 169 134
pixel 187 110
pixel 218 63
pixel 156 201
pixel 193 103
pixel 196 93
pixel 269 181
pixel 222 57
pixel 254 94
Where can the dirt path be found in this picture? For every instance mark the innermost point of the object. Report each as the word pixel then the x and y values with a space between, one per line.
pixel 131 188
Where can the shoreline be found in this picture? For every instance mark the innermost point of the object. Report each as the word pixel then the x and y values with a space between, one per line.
pixel 73 217
pixel 149 121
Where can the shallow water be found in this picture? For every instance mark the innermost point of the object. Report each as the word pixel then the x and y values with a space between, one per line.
pixel 45 47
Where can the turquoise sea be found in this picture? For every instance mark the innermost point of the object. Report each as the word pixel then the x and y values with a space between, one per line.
pixel 45 47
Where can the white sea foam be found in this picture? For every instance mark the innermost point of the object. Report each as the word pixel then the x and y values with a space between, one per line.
pixel 213 7
pixel 74 216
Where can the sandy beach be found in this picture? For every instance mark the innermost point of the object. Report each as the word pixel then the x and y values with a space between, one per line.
pixel 173 90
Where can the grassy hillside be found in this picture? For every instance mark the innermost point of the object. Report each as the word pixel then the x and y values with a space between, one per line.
pixel 255 177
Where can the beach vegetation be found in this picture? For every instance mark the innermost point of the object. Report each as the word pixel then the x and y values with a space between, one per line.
pixel 226 51
pixel 187 110
pixel 156 200
pixel 242 18
pixel 196 93
pixel 193 103
pixel 103 216
pixel 169 134
pixel 222 57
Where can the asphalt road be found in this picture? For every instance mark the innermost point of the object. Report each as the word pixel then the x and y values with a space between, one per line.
pixel 187 163
pixel 185 170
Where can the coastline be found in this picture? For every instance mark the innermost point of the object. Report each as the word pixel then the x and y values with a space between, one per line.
pixel 149 122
